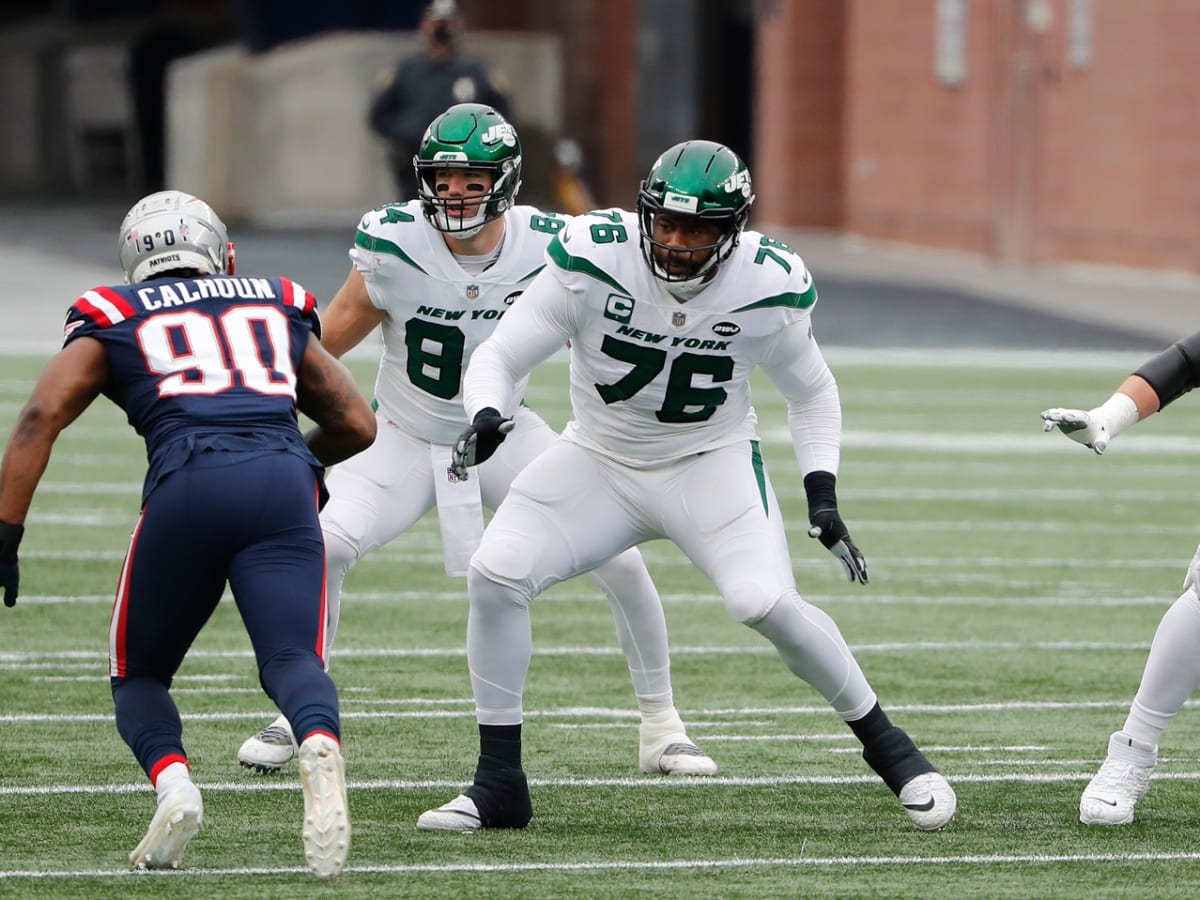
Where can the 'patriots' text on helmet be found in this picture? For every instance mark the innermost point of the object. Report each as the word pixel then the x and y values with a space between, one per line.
pixel 468 136
pixel 700 179
pixel 170 231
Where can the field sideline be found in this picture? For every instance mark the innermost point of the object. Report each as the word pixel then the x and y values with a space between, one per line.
pixel 1016 583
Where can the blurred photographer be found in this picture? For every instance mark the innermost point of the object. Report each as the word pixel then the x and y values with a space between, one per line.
pixel 420 87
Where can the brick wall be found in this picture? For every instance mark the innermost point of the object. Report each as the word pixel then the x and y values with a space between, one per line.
pixel 798 111
pixel 1031 157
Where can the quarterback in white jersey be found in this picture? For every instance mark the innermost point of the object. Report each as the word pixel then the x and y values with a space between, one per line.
pixel 436 274
pixel 667 314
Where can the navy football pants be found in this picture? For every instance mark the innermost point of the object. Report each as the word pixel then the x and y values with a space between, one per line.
pixel 249 519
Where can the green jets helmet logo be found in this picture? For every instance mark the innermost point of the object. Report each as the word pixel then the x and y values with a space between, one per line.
pixel 680 202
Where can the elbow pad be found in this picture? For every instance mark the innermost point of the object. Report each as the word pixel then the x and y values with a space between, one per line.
pixel 1175 371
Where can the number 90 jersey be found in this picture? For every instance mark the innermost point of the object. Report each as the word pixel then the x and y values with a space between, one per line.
pixel 437 313
pixel 202 363
pixel 653 378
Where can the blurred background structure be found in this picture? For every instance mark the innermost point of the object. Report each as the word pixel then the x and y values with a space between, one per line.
pixel 1027 131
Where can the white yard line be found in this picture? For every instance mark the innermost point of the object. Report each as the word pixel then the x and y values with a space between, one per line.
pixel 255 783
pixel 604 713
pixel 36 659
pixel 800 862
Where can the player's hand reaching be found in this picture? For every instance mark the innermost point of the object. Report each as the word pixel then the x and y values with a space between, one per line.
pixel 826 525
pixel 486 432
pixel 1097 427
pixel 10 572
pixel 1077 424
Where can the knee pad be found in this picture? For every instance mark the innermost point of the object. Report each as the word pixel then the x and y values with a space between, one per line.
pixel 489 591
pixel 749 602
pixel 506 559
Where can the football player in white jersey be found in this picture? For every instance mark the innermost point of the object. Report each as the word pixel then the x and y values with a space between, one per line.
pixel 436 274
pixel 1172 670
pixel 667 313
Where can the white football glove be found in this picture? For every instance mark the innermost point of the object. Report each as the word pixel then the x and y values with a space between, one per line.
pixel 1094 428
pixel 1078 426
pixel 1192 579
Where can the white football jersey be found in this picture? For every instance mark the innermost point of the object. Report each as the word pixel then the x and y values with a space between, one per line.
pixel 437 314
pixel 653 378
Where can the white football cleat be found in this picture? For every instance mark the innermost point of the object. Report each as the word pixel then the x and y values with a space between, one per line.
pixel 176 821
pixel 460 814
pixel 326 815
pixel 929 801
pixel 1123 779
pixel 267 751
pixel 674 754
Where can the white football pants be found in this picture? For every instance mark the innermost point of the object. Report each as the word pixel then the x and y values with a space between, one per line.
pixel 571 508
pixel 377 495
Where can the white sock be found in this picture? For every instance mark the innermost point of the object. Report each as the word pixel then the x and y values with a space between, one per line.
pixel 171 776
pixel 499 647
pixel 659 717
pixel 641 625
pixel 813 648
pixel 1172 671
pixel 340 558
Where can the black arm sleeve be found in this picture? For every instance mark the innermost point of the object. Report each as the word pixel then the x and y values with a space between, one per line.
pixel 1175 371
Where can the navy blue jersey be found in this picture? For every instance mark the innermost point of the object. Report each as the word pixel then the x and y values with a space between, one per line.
pixel 202 364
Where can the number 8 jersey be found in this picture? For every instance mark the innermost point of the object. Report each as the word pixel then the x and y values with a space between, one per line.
pixel 437 312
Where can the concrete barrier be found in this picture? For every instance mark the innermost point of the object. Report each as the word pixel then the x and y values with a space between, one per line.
pixel 281 138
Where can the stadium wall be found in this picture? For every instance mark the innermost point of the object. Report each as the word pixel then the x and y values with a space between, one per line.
pixel 1035 131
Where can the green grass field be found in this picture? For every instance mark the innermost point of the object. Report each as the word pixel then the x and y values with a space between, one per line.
pixel 1016 583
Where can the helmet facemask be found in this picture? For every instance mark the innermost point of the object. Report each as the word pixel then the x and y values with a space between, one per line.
pixel 695 180
pixel 678 266
pixel 445 212
pixel 468 136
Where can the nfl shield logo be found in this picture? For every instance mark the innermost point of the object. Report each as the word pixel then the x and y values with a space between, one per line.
pixel 472 292
pixel 678 318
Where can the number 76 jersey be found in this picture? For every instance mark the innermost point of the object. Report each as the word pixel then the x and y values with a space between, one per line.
pixel 654 378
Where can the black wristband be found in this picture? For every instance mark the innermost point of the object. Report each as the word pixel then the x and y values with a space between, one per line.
pixel 488 412
pixel 1175 371
pixel 10 540
pixel 820 488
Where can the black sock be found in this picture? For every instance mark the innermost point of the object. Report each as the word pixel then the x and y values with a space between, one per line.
pixel 870 726
pixel 896 759
pixel 500 789
pixel 501 743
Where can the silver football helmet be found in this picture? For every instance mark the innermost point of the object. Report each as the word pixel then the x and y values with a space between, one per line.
pixel 171 230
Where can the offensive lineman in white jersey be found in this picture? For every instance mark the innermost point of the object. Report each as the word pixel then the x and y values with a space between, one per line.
pixel 437 273
pixel 663 444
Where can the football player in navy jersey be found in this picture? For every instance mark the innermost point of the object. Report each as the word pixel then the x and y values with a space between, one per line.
pixel 210 369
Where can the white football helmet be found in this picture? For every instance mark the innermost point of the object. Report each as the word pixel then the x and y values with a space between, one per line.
pixel 171 230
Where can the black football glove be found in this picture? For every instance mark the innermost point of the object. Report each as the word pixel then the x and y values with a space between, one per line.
pixel 475 445
pixel 827 525
pixel 10 572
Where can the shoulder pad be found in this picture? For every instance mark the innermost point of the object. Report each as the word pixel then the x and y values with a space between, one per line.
pixel 776 276
pixel 104 306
